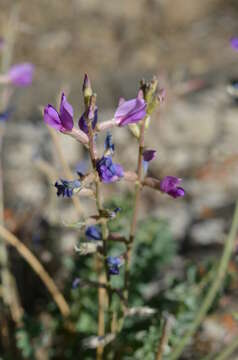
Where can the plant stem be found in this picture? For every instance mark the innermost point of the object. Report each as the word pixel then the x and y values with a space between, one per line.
pixel 38 268
pixel 135 210
pixel 228 351
pixel 164 338
pixel 9 289
pixel 215 286
pixel 101 292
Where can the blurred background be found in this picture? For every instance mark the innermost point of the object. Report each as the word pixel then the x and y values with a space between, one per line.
pixel 186 44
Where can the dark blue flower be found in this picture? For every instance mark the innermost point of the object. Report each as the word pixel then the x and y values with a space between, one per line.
pixel 83 123
pixel 114 264
pixel 75 283
pixel 66 188
pixel 148 155
pixel 109 147
pixel 109 171
pixel 93 233
pixel 5 114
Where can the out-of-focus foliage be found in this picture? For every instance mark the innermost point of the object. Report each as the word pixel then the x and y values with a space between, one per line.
pixel 153 286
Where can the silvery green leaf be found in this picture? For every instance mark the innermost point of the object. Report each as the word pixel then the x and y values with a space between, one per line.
pixel 93 342
pixel 86 248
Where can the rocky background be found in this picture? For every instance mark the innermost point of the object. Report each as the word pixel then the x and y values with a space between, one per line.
pixel 186 44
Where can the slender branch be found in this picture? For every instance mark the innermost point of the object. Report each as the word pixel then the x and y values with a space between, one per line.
pixel 105 125
pixel 164 338
pixel 228 351
pixel 38 268
pixel 93 157
pixel 215 286
pixel 135 209
pixel 9 289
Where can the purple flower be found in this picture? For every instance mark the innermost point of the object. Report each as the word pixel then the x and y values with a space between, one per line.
pixel 234 43
pixel 131 111
pixel 109 147
pixel 5 114
pixel 170 185
pixel 62 120
pixel 149 155
pixel 108 171
pixel 21 74
pixel 93 233
pixel 66 188
pixel 83 123
pixel 114 264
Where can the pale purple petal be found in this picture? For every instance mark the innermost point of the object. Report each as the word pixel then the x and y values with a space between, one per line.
pixel 131 111
pixel 21 74
pixel 66 113
pixel 234 43
pixel 51 117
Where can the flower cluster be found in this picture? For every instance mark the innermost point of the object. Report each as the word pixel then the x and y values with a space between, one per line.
pixel 66 188
pixel 133 112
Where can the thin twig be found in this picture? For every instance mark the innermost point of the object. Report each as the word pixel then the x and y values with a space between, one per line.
pixel 164 338
pixel 135 209
pixel 228 351
pixel 9 289
pixel 101 276
pixel 214 288
pixel 38 268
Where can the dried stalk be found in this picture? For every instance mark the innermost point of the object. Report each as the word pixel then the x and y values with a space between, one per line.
pixel 164 338
pixel 38 268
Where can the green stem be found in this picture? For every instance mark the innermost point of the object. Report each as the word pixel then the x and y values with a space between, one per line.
pixel 228 350
pixel 216 285
pixel 135 211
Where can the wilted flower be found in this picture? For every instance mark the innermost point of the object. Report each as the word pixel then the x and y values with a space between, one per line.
pixel 148 155
pixel 66 188
pixel 93 233
pixel 62 121
pixel 75 283
pixel 83 123
pixel 234 43
pixel 170 185
pixel 131 111
pixel 108 171
pixel 21 74
pixel 109 147
pixel 114 264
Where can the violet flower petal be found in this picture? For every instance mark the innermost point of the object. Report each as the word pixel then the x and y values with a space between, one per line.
pixel 66 113
pixel 21 74
pixel 51 117
pixel 131 111
pixel 234 43
pixel 149 154
pixel 83 123
pixel 169 183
